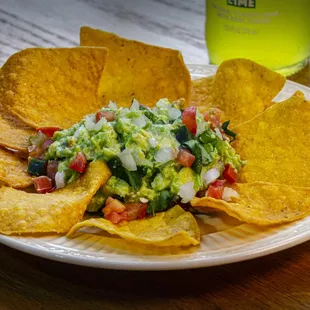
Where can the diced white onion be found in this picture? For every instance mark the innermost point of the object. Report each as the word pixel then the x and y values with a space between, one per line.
pixel 90 122
pixel 163 103
pixel 112 105
pixel 173 114
pixel 139 121
pixel 100 123
pixel 143 200
pixel 152 142
pixel 210 176
pixel 229 193
pixel 165 154
pixel 187 192
pixel 78 131
pixel 135 105
pixel 60 179
pixel 218 133
pixel 127 160
pixel 138 157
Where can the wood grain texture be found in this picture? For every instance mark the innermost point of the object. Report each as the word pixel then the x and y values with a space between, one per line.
pixel 279 281
pixel 170 23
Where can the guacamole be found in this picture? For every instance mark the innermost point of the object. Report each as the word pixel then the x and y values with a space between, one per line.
pixel 157 156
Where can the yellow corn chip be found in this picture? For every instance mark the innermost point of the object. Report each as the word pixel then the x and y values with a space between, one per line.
pixel 276 144
pixel 201 93
pixel 138 70
pixel 13 170
pixel 110 243
pixel 14 133
pixel 262 203
pixel 22 212
pixel 174 227
pixel 53 86
pixel 243 88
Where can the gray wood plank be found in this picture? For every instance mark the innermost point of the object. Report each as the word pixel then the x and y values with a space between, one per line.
pixel 171 23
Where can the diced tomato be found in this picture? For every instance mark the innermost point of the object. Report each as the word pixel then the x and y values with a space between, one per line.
pixel 189 119
pixel 116 212
pixel 110 116
pixel 214 117
pixel 113 205
pixel 216 189
pixel 116 218
pixel 109 200
pixel 136 210
pixel 48 131
pixel 142 213
pixel 230 174
pixel 79 163
pixel 43 184
pixel 185 158
pixel 219 182
pixel 113 217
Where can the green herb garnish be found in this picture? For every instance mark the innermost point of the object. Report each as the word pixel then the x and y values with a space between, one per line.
pixel 229 132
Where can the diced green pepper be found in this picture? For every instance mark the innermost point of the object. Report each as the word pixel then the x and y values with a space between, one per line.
pixel 37 167
pixel 182 134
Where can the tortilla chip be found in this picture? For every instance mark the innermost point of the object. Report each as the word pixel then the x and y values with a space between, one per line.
pixel 276 144
pixel 22 212
pixel 14 133
pixel 13 170
pixel 243 88
pixel 53 86
pixel 174 227
pixel 262 203
pixel 103 241
pixel 201 93
pixel 138 70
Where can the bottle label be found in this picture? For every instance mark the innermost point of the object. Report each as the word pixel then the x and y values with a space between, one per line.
pixel 242 3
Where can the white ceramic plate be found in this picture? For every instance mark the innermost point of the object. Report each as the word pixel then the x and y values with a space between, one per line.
pixel 224 240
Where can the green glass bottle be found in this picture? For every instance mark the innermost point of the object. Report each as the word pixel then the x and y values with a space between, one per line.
pixel 274 33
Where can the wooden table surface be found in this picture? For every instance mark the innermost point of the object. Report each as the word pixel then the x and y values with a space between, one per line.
pixel 278 281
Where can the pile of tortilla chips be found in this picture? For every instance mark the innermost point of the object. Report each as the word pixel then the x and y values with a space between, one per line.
pixel 57 87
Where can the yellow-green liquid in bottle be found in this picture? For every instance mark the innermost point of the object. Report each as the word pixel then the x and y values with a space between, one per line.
pixel 274 33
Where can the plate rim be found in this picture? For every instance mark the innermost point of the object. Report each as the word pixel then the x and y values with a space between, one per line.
pixel 293 240
pixel 157 265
